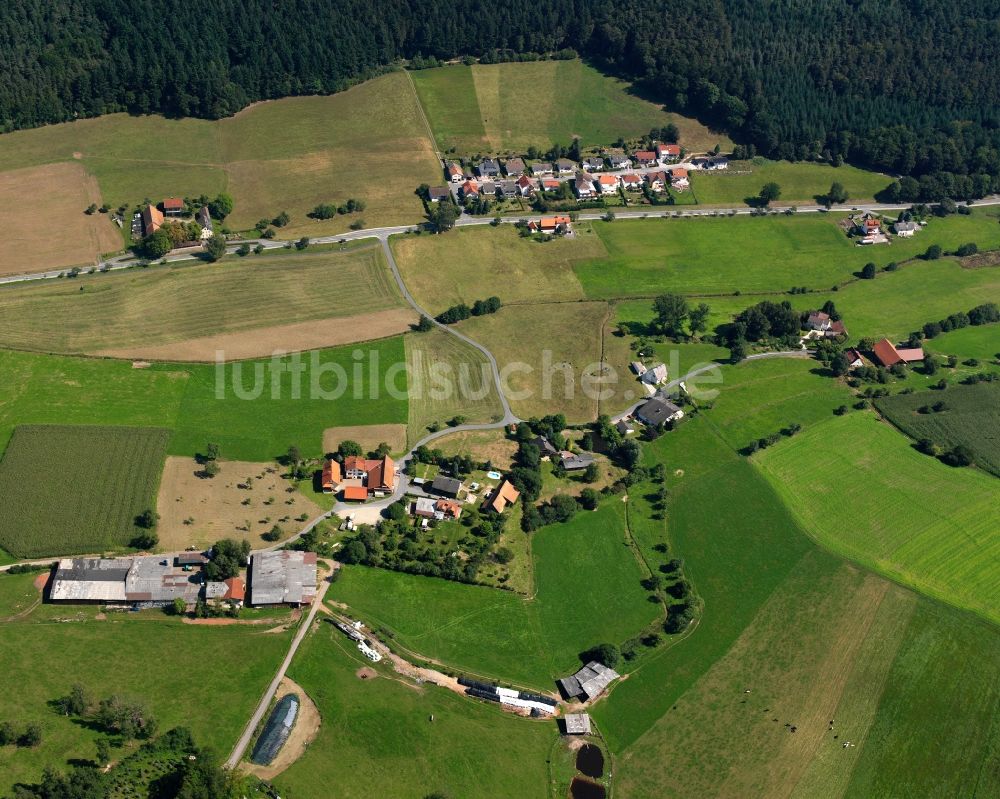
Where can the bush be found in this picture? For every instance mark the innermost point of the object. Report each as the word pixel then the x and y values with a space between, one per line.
pixel 967 249
pixel 608 654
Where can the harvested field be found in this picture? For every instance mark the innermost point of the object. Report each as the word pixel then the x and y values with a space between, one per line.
pixel 73 490
pixel 223 507
pixel 45 226
pixel 183 311
pixel 481 445
pixel 297 337
pixel 304 732
pixel 369 436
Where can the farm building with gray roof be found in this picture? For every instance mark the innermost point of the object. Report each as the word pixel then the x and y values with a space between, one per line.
pixel 282 578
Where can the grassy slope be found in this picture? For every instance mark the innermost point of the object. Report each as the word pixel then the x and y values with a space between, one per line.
pixel 981 343
pixel 972 419
pixel 799 182
pixel 42 389
pixel 581 569
pixel 509 107
pixel 287 154
pixel 174 303
pixel 725 254
pixel 377 737
pixel 473 264
pixel 77 489
pixel 859 488
pixel 205 678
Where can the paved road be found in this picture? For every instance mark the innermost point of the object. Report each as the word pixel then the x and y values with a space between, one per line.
pixel 265 700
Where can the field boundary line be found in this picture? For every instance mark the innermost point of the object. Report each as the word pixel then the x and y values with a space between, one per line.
pixel 423 115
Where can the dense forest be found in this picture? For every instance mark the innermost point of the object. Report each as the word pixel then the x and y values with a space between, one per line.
pixel 911 86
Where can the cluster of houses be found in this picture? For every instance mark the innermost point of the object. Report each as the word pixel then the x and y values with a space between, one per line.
pixel 445 493
pixel 153 217
pixel 357 479
pixel 274 578
pixel 869 228
pixel 514 178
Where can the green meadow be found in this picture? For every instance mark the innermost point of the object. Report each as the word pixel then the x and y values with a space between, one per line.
pixel 981 343
pixel 198 402
pixel 800 182
pixel 384 738
pixel 205 678
pixel 512 106
pixel 723 255
pixel 588 592
pixel 892 509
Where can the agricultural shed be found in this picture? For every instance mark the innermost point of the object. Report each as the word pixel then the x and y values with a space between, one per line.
pixel 90 580
pixel 577 724
pixel 589 682
pixel 285 577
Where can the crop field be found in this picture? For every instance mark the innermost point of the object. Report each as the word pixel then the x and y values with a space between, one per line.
pixel 757 398
pixel 972 419
pixel 289 154
pixel 136 312
pixel 546 349
pixel 512 106
pixel 199 403
pixel 910 517
pixel 205 678
pixel 721 255
pixel 499 634
pixel 378 737
pixel 447 378
pixel 800 182
pixel 52 191
pixel 71 490
pixel 472 264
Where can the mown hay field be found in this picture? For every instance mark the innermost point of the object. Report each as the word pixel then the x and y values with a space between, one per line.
pixel 512 106
pixel 859 487
pixel 69 490
pixel 972 419
pixel 139 311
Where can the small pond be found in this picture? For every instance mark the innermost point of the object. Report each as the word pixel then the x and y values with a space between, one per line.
pixel 585 789
pixel 590 761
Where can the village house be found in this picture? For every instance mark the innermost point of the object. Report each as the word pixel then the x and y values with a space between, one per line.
pixel 583 185
pixel 545 447
pixel 624 427
pixel 455 172
pixel 710 164
pixel 657 411
pixel 449 486
pixel 549 184
pixel 631 182
pixel 233 591
pixel 818 320
pixel 541 169
pixel 575 461
pixel 607 183
pixel 204 218
pixel 551 224
pixel 439 509
pixel 504 495
pixel 488 188
pixel 565 167
pixel 470 189
pixel 905 229
pixel 507 189
pixel 655 375
pixel 514 167
pixel 152 220
pixel 173 206
pixel 619 161
pixel 437 193
pixel 644 157
pixel 679 178
pixel 593 164
pixel 668 152
pixel 853 358
pixel 283 577
pixel 869 228
pixel 377 476
pixel 638 367
pixel 657 181
pixel 488 168
pixel 331 477
pixel 888 355
pixel 525 186
pixel 836 329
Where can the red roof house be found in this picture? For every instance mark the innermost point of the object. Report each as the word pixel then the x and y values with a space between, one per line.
pixel 889 355
pixel 332 476
pixel 355 493
pixel 236 589
pixel 173 206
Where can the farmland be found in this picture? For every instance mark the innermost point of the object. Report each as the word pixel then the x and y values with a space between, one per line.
pixel 546 350
pixel 972 419
pixel 513 106
pixel 726 254
pixel 447 378
pixel 157 312
pixel 499 634
pixel 286 154
pixel 77 489
pixel 912 518
pixel 204 678
pixel 981 343
pixel 40 389
pixel 468 265
pixel 58 191
pixel 377 736
pixel 800 182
